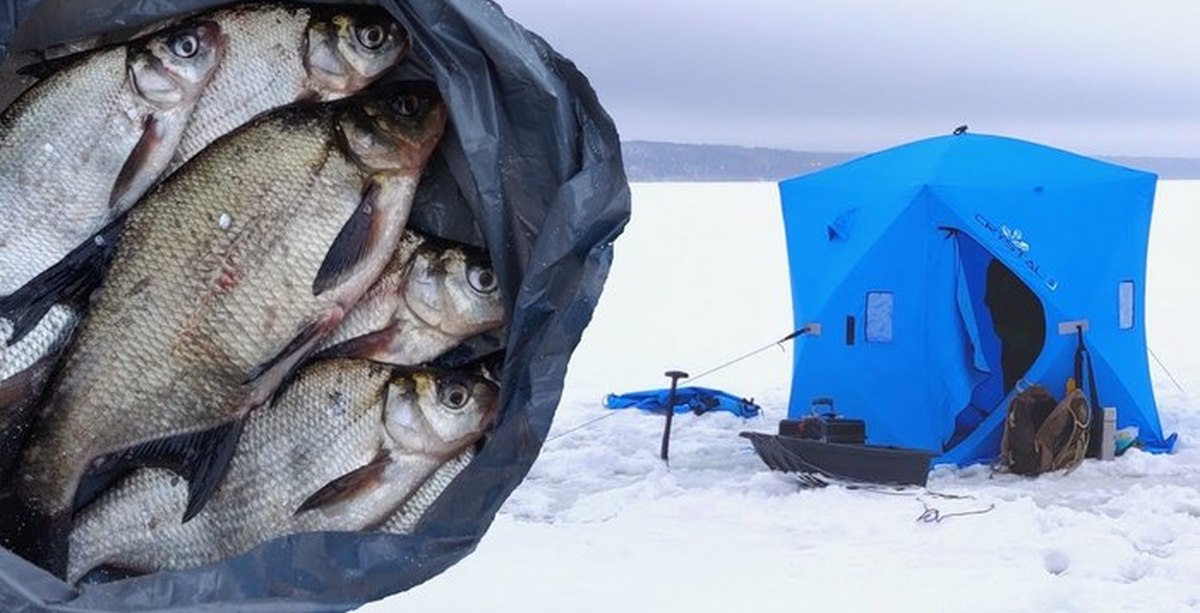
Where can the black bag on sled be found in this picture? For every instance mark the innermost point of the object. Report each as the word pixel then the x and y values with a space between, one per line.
pixel 825 425
pixel 531 169
pixel 1042 434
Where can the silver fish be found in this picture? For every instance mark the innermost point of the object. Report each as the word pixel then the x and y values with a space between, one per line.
pixel 225 277
pixel 81 146
pixel 279 53
pixel 433 295
pixel 341 448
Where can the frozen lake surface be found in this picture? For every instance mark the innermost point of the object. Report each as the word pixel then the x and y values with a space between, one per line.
pixel 700 277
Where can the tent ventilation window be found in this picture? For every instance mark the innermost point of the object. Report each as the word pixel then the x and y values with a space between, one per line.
pixel 1125 304
pixel 879 317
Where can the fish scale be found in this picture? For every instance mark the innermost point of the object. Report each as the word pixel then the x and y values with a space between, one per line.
pixel 182 309
pixel 374 311
pixel 262 70
pixel 168 349
pixel 137 523
pixel 324 425
pixel 62 146
pixel 265 67
pixel 76 151
pixel 50 332
pixel 405 519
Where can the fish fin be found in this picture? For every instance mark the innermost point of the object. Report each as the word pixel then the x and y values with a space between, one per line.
pixel 133 171
pixel 206 475
pixel 44 68
pixel 356 239
pixel 70 281
pixel 372 346
pixel 299 344
pixel 199 457
pixel 362 479
pixel 107 573
pixel 19 398
pixel 19 388
pixel 308 96
pixel 33 535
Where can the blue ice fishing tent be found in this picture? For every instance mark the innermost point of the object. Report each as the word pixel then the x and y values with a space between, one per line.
pixel 947 273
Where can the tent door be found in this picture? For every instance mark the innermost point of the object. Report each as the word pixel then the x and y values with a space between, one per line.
pixel 1009 329
pixel 1018 321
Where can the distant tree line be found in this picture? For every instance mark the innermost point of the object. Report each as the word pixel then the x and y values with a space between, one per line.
pixel 648 161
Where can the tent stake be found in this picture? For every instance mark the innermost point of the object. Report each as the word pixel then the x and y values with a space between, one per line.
pixel 675 376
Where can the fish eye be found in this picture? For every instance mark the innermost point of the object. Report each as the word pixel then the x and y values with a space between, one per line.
pixel 407 106
pixel 372 37
pixel 184 45
pixel 454 395
pixel 482 278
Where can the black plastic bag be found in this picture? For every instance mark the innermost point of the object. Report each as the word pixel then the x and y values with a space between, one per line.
pixel 532 169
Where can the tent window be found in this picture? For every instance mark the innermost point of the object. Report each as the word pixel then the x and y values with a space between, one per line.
pixel 879 317
pixel 1125 304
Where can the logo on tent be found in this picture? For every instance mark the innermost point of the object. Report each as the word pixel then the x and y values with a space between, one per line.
pixel 1013 240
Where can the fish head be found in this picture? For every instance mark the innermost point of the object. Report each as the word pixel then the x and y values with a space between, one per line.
pixel 172 68
pixel 347 50
pixel 396 128
pixel 453 288
pixel 438 413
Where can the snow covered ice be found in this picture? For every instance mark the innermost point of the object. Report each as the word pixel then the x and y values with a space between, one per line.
pixel 700 277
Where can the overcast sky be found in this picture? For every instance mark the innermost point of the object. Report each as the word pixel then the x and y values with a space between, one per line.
pixel 1095 76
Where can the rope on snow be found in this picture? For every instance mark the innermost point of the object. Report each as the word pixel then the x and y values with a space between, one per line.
pixel 932 515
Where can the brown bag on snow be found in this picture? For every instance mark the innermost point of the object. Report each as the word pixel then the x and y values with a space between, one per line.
pixel 1042 435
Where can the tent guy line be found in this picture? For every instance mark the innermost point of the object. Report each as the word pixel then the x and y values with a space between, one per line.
pixel 779 343
pixel 1166 370
pixel 807 329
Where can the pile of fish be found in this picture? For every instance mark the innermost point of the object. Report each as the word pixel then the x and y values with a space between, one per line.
pixel 216 326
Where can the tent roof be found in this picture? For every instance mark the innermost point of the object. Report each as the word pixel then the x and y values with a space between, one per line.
pixel 979 160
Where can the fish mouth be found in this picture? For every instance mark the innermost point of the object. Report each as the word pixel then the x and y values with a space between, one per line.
pixel 157 82
pixel 423 293
pixel 324 61
pixel 405 416
pixel 403 419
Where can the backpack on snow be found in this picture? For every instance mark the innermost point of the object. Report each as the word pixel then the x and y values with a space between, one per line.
pixel 1042 435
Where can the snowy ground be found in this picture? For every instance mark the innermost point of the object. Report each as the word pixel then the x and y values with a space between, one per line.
pixel 700 277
